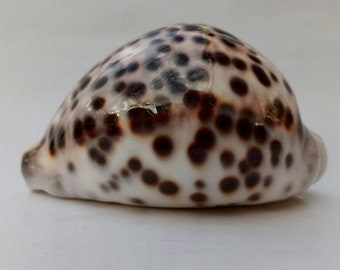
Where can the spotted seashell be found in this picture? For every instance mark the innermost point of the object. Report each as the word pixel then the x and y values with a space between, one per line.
pixel 185 116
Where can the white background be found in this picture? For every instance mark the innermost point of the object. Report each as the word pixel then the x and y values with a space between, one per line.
pixel 45 48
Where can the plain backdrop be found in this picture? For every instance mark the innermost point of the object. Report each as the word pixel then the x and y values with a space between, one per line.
pixel 46 47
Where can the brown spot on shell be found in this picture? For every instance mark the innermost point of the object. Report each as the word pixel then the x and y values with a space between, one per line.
pixel 134 164
pixel 227 158
pixel 229 184
pixel 252 179
pixel 254 197
pixel 168 188
pixel 150 177
pixel 163 146
pixel 289 160
pixel 137 201
pixel 78 132
pixel 268 180
pixel 199 184
pixel 254 157
pixel 111 122
pixel 143 121
pixel 89 125
pixel 96 156
pixel 198 197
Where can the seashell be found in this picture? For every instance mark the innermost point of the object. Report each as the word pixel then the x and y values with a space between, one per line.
pixel 185 116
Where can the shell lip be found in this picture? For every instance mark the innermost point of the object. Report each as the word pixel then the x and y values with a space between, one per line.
pixel 322 155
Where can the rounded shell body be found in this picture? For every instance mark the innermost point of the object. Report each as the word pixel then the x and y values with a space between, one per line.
pixel 185 116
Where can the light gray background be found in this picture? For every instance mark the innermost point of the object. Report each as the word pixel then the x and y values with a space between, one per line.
pixel 46 46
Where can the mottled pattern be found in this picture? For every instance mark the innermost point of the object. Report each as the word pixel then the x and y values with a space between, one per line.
pixel 185 116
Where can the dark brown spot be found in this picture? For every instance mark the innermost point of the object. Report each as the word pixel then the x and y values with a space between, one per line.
pixel 164 48
pixel 97 103
pixel 144 121
pixel 70 167
pixel 244 128
pixel 238 86
pixel 170 75
pixel 137 201
pixel 113 184
pixel 276 149
pixel 125 173
pixel 112 126
pixel 222 58
pixel 96 156
pixel 163 146
pixel 181 59
pixel 89 126
pixel 178 38
pixel 198 197
pixel 197 74
pixel 61 138
pixel 152 64
pixel 289 160
pixel 239 63
pixel 273 77
pixel 254 157
pixel 227 158
pixel 120 72
pixel 243 166
pixel 136 89
pixel 191 99
pixel 289 119
pixel 199 184
pixel 229 184
pixel 228 42
pixel 84 82
pixel 289 89
pixel 300 127
pixel 208 102
pixel 119 86
pixel 205 138
pixel 268 180
pixel 254 197
pixel 279 109
pixel 150 177
pixel 104 143
pixel 52 148
pixel 196 154
pixel 177 87
pixel 200 40
pixel 168 188
pixel 252 179
pixel 255 59
pixel 261 75
pixel 223 123
pixel 74 104
pixel 157 83
pixel 208 57
pixel 192 27
pixel 260 134
pixel 134 164
pixel 132 67
pixel 100 82
pixel 78 132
